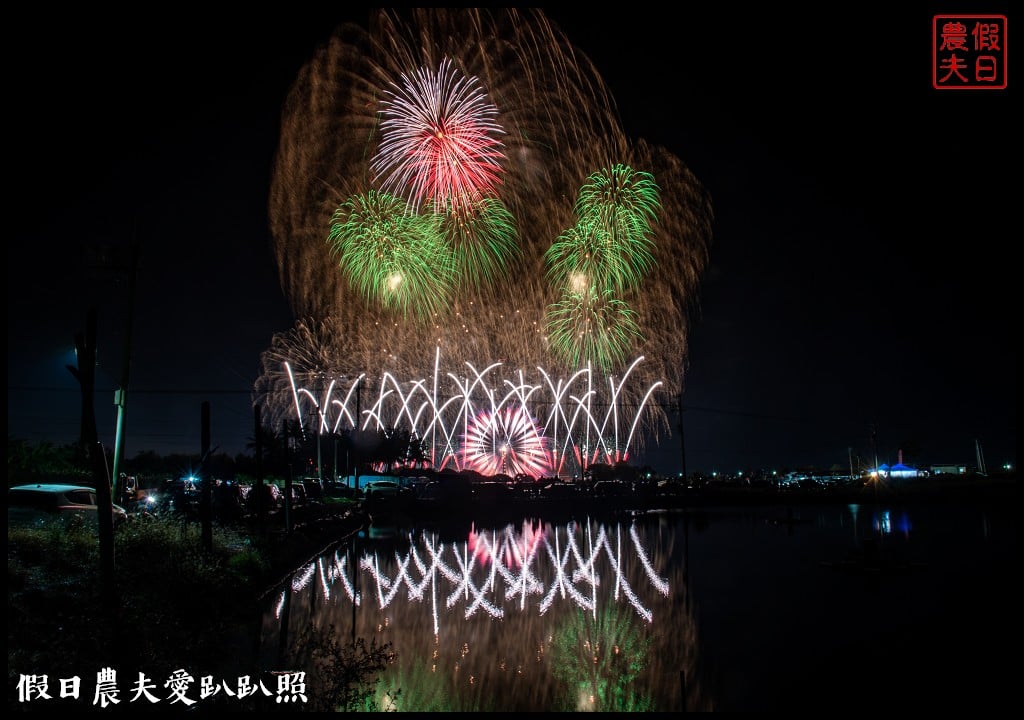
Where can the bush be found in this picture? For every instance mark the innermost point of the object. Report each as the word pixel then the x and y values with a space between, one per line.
pixel 174 604
pixel 345 673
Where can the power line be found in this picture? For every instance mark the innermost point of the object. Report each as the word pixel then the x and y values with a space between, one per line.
pixel 160 391
pixel 671 407
pixel 741 413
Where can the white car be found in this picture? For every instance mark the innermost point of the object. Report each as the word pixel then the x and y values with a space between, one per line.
pixel 33 504
pixel 383 489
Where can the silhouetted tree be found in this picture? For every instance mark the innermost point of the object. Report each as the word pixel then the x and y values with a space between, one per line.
pixel 626 472
pixel 28 463
pixel 389 448
pixel 147 462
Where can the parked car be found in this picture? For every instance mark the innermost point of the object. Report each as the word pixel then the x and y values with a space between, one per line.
pixel 34 504
pixel 383 490
pixel 176 496
pixel 299 494
pixel 272 498
pixel 228 500
pixel 557 490
pixel 610 488
pixel 314 489
pixel 492 492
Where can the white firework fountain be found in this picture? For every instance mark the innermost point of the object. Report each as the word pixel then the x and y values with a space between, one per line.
pixel 485 421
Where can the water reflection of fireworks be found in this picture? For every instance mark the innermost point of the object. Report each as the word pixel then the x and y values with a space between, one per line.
pixel 487 572
pixel 478 621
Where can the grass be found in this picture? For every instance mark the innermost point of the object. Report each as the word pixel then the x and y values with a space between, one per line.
pixel 173 600
pixel 177 606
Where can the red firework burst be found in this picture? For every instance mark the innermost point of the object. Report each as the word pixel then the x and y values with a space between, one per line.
pixel 439 141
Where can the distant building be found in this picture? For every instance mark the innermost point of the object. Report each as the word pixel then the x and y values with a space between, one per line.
pixel 948 469
pixel 899 471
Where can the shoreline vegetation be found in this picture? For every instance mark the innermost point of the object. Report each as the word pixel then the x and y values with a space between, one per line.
pixel 177 605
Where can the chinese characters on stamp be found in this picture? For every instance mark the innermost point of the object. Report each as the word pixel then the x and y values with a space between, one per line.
pixel 969 52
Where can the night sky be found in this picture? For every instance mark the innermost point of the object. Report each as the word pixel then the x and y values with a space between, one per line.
pixel 861 269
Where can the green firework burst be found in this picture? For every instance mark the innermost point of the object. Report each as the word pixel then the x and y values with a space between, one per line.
pixel 625 200
pixel 392 257
pixel 591 327
pixel 588 256
pixel 611 246
pixel 483 239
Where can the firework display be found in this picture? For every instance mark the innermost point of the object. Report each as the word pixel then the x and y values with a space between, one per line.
pixel 453 189
pixel 481 421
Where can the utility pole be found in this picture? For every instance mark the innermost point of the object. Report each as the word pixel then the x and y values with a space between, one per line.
pixel 288 479
pixel 355 431
pixel 682 439
pixel 334 474
pixel 319 451
pixel 874 449
pixel 85 374
pixel 121 394
pixel 258 489
pixel 206 500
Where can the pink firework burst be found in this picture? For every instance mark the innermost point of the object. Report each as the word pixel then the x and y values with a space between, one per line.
pixel 439 141
pixel 506 442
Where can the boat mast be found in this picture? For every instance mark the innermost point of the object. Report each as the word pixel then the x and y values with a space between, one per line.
pixel 979 457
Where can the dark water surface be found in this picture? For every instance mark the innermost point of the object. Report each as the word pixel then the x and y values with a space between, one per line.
pixel 769 608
